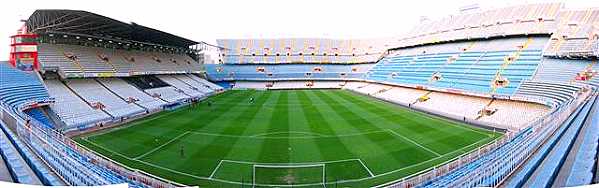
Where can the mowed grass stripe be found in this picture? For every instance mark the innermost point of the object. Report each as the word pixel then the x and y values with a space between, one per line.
pixel 379 122
pixel 304 150
pixel 151 134
pixel 205 115
pixel 221 146
pixel 245 148
pixel 365 117
pixel 201 160
pixel 354 120
pixel 276 150
pixel 389 111
pixel 315 119
pixel 384 121
pixel 229 115
pixel 447 123
pixel 330 148
pixel 217 112
pixel 438 120
pixel 372 146
pixel 166 155
pixel 438 134
pixel 313 123
pixel 259 124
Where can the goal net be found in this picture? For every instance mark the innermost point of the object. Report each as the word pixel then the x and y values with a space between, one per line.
pixel 284 175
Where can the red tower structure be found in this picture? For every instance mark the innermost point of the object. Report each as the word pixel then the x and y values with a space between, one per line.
pixel 23 50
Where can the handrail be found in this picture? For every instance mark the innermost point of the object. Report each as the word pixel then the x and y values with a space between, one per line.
pixel 55 143
pixel 547 123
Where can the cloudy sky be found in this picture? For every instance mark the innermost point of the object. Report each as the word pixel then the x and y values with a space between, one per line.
pixel 212 19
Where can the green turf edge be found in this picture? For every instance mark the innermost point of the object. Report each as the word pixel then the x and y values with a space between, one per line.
pixel 368 182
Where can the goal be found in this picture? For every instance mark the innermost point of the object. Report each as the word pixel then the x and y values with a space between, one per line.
pixel 286 175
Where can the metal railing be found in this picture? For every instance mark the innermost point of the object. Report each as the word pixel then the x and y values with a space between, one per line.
pixel 53 147
pixel 596 48
pixel 56 146
pixel 487 173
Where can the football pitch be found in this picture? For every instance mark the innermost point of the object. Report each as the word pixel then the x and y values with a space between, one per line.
pixel 287 138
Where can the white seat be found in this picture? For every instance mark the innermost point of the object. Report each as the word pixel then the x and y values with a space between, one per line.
pixel 70 108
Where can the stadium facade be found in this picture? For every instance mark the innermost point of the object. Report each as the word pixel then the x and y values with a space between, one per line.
pixel 527 71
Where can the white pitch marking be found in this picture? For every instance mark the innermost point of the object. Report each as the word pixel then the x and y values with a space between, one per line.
pixel 282 164
pixel 109 150
pixel 215 169
pixel 289 132
pixel 341 181
pixel 415 143
pixel 262 135
pixel 240 183
pixel 160 147
pixel 367 169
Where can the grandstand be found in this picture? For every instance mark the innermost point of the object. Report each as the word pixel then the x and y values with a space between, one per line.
pixel 574 35
pixel 269 51
pixel 131 94
pixel 514 20
pixel 72 109
pixel 469 66
pixel 77 61
pixel 505 97
pixel 227 72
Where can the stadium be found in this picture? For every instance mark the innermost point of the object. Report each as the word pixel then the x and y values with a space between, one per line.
pixel 502 97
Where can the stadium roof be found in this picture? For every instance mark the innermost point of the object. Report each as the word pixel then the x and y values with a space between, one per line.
pixel 79 22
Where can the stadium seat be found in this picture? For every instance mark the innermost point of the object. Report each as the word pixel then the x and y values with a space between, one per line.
pixel 17 166
pixel 472 70
pixel 71 109
pixel 126 91
pixel 93 92
pixel 115 62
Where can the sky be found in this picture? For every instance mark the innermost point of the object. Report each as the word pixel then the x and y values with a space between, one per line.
pixel 214 19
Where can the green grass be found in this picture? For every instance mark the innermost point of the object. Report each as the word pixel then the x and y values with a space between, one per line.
pixel 361 141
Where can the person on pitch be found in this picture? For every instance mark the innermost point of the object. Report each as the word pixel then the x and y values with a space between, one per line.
pixel 182 151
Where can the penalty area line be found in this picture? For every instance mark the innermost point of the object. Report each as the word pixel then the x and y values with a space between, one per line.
pixel 366 167
pixel 109 150
pixel 288 164
pixel 414 142
pixel 215 169
pixel 165 168
pixel 161 146
pixel 246 162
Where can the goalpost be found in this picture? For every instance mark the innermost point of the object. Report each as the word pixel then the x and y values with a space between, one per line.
pixel 288 175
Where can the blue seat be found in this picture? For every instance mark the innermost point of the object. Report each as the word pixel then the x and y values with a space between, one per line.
pixel 248 72
pixel 472 71
pixel 522 176
pixel 38 115
pixel 582 168
pixel 18 87
pixel 15 163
